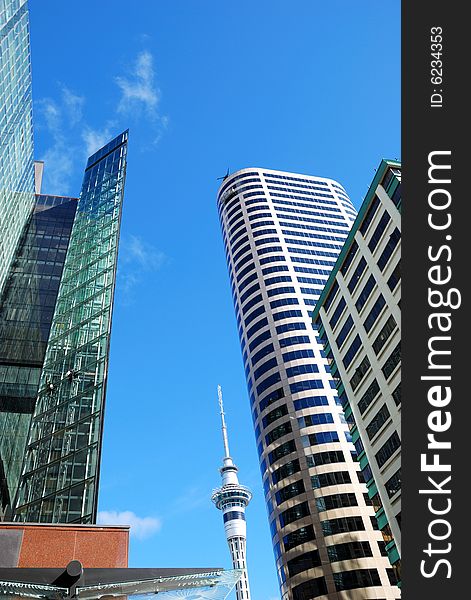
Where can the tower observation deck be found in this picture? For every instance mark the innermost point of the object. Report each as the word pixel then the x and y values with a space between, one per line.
pixel 232 498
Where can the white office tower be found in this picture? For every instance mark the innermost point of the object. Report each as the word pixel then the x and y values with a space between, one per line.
pixel 232 498
pixel 282 233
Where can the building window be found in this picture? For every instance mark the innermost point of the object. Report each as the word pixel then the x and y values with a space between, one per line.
pixel 368 397
pixel 389 249
pixel 393 484
pixel 374 313
pixel 246 282
pixel 352 351
pixel 310 589
pixel 350 580
pixel 384 334
pixel 331 296
pixel 269 364
pixel 290 468
pixel 254 314
pixel 268 382
pixel 360 372
pixel 296 354
pixel 262 353
pixel 263 337
pixel 281 290
pixel 396 197
pixel 349 551
pixel 290 491
pixel 274 415
pixel 325 458
pixel 388 449
pixel 316 419
pixel 271 398
pixel 378 421
pixel 302 370
pixel 392 362
pixel 395 277
pixel 258 325
pixel 333 478
pixel 249 292
pixel 310 384
pixel 365 293
pixel 335 501
pixel 349 258
pixel 311 402
pixel 304 562
pixel 281 451
pixel 294 514
pixel 278 432
pixel 283 302
pixel 356 275
pixel 342 525
pixel 298 537
pixel 369 215
pixel 285 314
pixel 397 395
pixel 322 437
pixel 268 240
pixel 346 328
pixel 378 232
pixel 337 313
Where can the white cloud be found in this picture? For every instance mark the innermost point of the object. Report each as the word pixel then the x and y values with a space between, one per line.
pixel 73 105
pixel 59 157
pixel 146 256
pixel 94 138
pixel 71 137
pixel 141 527
pixel 137 257
pixel 138 89
pixel 59 160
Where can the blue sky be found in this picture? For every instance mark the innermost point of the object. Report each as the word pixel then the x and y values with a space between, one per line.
pixel 306 86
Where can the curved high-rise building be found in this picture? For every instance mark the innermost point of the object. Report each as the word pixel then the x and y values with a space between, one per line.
pixel 282 233
pixel 232 499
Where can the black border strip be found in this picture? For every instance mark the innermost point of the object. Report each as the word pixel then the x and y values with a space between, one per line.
pixel 435 121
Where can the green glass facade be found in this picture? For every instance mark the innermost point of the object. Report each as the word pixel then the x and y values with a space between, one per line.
pixel 59 481
pixel 16 132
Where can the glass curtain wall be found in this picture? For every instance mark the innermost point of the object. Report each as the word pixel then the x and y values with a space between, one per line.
pixel 60 474
pixel 16 130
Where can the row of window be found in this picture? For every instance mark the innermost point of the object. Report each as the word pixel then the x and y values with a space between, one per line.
pixel 315 419
pixel 294 179
pixel 341 224
pixel 315 228
pixel 268 240
pixel 280 210
pixel 311 203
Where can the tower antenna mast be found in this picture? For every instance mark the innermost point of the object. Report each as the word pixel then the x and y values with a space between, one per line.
pixel 223 424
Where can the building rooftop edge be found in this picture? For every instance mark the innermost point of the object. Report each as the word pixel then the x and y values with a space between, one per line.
pixel 20 524
pixel 380 172
pixel 239 171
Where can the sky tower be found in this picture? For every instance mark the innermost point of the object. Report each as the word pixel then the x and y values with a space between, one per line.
pixel 232 498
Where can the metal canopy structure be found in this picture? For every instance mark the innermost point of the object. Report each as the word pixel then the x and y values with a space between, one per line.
pixel 78 583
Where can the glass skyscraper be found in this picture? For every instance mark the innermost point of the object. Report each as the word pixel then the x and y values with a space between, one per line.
pixel 16 131
pixel 55 322
pixel 282 233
